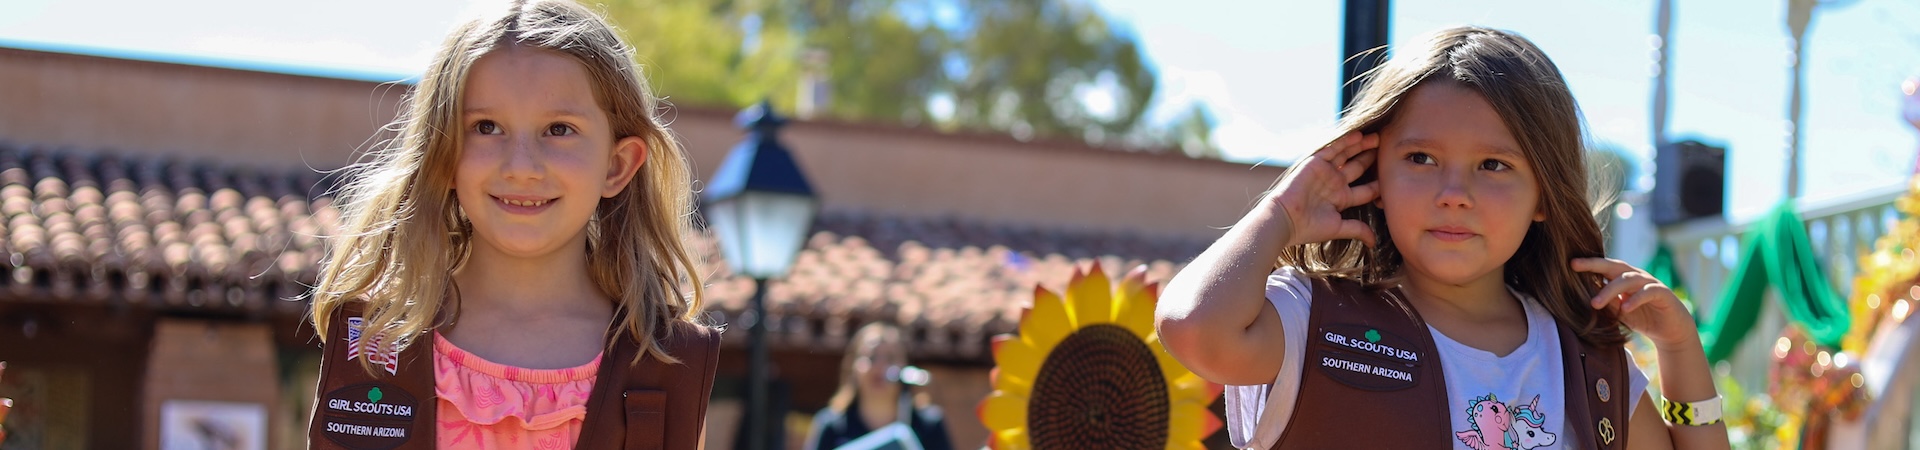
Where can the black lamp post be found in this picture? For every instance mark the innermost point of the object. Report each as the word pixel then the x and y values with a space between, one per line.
pixel 760 207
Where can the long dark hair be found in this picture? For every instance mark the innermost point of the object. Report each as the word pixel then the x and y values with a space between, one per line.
pixel 1532 98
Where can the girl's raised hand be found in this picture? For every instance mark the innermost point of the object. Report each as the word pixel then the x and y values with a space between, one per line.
pixel 1641 302
pixel 1313 194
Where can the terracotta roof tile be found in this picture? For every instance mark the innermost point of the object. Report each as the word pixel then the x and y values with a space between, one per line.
pixel 175 234
pixel 149 230
pixel 951 283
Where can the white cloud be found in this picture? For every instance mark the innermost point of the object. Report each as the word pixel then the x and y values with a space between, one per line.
pixel 1241 134
pixel 1181 88
pixel 1248 140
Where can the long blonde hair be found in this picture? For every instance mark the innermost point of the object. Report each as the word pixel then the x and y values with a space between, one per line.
pixel 1532 98
pixel 402 234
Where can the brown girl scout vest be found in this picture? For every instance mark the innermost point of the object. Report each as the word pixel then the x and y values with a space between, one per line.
pixel 650 405
pixel 1373 380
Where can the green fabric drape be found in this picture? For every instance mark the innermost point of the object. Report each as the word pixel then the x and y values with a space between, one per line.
pixel 1662 269
pixel 1774 253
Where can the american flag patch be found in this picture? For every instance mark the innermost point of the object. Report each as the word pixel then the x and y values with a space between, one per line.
pixel 389 358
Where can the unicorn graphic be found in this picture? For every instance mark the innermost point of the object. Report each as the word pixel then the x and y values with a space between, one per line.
pixel 1529 430
pixel 1499 426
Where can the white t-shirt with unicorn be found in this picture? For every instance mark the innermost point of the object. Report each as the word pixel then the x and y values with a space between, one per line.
pixel 1498 402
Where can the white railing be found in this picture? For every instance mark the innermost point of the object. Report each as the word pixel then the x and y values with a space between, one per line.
pixel 1705 252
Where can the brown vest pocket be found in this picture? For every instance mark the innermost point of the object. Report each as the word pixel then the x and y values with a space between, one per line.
pixel 646 419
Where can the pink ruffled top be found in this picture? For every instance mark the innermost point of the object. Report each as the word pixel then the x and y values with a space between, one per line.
pixel 488 405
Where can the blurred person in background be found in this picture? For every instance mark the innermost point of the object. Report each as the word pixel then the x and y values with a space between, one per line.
pixel 873 395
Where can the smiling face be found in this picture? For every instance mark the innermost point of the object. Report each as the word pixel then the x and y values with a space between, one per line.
pixel 1457 193
pixel 537 153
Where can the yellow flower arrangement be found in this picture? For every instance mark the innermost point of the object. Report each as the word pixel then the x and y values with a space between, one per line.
pixel 1088 371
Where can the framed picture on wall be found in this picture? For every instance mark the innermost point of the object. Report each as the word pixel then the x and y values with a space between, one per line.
pixel 199 424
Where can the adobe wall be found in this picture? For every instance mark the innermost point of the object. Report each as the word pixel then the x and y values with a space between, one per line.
pixel 93 104
pixel 919 173
pixel 90 103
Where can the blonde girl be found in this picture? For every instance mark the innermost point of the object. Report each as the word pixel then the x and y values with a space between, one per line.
pixel 1433 278
pixel 510 271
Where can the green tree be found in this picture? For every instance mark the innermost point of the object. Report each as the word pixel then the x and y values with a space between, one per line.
pixel 697 51
pixel 1030 68
pixel 1193 133
pixel 877 65
pixel 1028 62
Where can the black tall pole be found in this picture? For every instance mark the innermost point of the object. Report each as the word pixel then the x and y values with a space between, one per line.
pixel 757 391
pixel 1366 30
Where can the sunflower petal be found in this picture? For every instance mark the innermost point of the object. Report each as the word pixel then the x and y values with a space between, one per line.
pixel 1190 422
pixel 1212 424
pixel 1015 439
pixel 1135 280
pixel 1133 307
pixel 1048 323
pixel 1188 386
pixel 1168 366
pixel 1091 297
pixel 1002 412
pixel 1017 365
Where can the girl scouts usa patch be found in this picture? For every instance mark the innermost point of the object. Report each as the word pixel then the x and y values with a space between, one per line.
pixel 1365 357
pixel 369 416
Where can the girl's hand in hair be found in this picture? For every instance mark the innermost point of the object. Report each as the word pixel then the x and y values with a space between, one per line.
pixel 1312 195
pixel 1647 306
pixel 1642 303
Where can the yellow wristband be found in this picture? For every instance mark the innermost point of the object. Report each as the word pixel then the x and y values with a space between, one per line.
pixel 1700 413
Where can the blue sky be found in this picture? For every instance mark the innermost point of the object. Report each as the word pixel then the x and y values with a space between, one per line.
pixel 1267 69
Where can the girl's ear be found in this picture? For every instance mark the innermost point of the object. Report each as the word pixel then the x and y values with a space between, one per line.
pixel 628 155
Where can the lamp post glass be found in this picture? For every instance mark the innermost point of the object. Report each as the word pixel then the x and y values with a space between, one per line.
pixel 760 232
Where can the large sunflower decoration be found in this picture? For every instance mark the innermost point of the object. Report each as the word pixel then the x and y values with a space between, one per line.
pixel 1088 371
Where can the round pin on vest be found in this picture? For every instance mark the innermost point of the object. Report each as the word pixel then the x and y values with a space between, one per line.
pixel 1601 389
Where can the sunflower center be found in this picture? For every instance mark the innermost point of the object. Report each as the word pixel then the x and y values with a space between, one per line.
pixel 1100 388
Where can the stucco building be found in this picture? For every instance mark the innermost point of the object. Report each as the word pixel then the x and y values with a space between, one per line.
pixel 161 218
